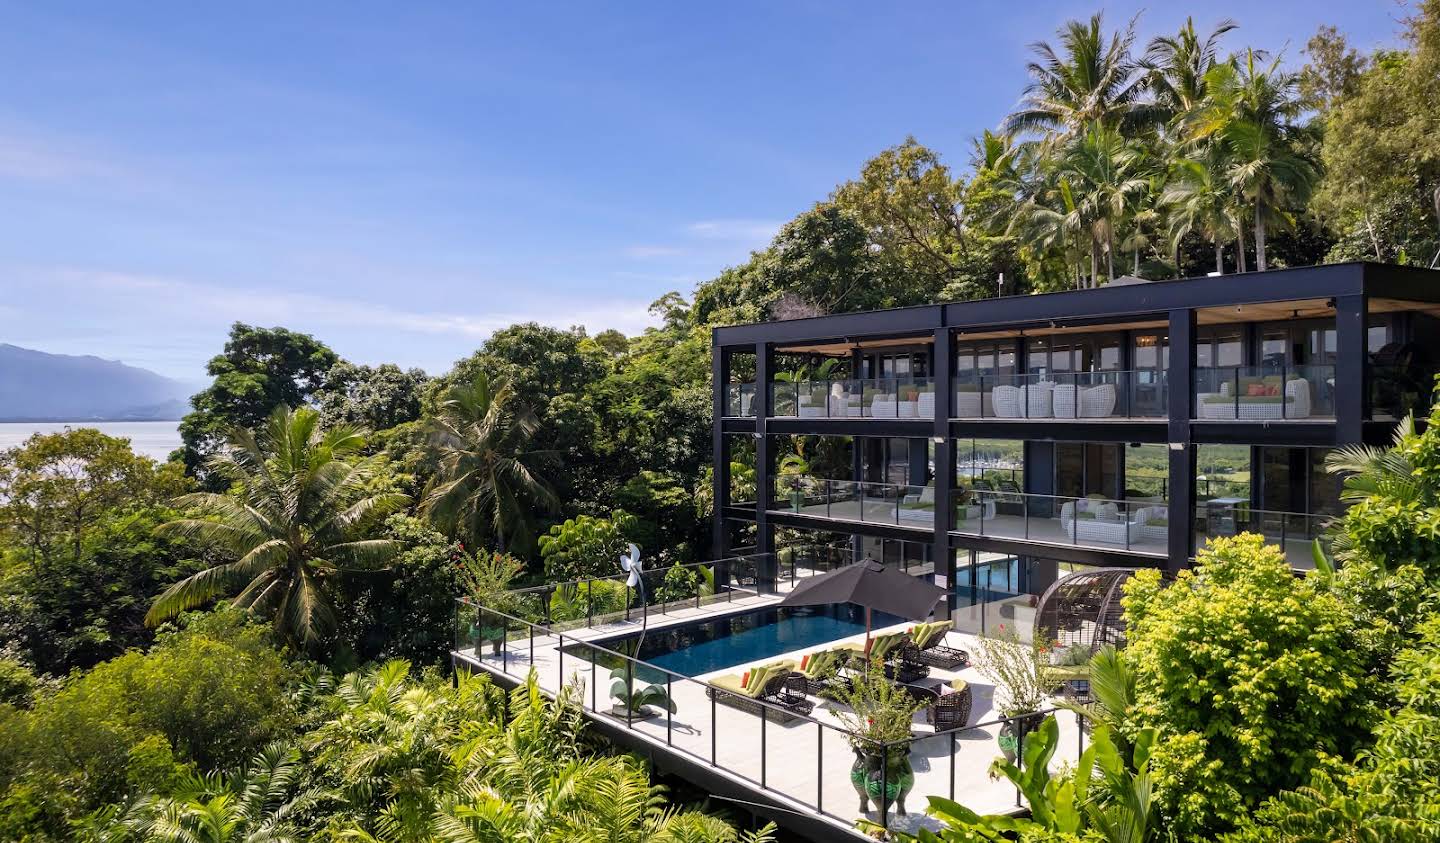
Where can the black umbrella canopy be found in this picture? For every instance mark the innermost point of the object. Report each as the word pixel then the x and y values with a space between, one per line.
pixel 872 585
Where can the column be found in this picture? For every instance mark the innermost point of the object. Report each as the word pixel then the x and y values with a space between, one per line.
pixel 764 467
pixel 1180 380
pixel 720 462
pixel 1351 371
pixel 944 561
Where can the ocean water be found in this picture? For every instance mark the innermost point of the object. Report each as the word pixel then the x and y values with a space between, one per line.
pixel 154 439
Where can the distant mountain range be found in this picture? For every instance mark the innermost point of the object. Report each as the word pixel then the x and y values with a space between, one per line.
pixel 36 386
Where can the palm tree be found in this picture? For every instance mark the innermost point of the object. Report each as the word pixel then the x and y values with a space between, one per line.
pixel 1251 110
pixel 254 807
pixel 1198 199
pixel 300 515
pixel 1176 67
pixel 1108 175
pixel 488 482
pixel 1088 80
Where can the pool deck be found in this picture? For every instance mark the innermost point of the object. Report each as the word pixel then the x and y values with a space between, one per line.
pixel 801 766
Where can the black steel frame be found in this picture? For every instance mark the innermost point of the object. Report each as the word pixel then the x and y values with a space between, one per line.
pixel 1350 286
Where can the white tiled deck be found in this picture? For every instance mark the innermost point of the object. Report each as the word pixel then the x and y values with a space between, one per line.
pixel 806 763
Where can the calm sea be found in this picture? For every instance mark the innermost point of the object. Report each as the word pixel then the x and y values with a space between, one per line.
pixel 153 439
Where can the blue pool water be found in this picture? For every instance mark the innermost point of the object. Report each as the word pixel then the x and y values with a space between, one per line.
pixel 706 646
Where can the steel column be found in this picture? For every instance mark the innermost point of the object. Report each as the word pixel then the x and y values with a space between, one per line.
pixel 1350 369
pixel 941 557
pixel 1180 377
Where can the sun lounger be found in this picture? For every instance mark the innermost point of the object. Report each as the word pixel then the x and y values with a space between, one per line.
pixel 773 685
pixel 926 646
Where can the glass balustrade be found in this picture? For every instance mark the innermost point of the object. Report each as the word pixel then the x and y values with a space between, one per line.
pixel 1138 525
pixel 1061 395
pixel 1265 393
pixel 878 398
pixel 1293 532
pixel 740 400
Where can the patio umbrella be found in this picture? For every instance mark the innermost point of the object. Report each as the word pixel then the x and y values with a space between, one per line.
pixel 873 585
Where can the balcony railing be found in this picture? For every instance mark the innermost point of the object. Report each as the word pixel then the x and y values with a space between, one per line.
pixel 739 400
pixel 1265 393
pixel 856 500
pixel 1061 395
pixel 1293 532
pixel 865 398
pixel 1138 526
pixel 760 742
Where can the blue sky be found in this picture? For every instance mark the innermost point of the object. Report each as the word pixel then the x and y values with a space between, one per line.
pixel 401 179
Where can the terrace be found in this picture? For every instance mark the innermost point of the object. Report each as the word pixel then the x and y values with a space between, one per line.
pixel 1138 525
pixel 786 752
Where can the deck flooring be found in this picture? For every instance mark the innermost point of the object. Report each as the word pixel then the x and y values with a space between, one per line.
pixel 805 764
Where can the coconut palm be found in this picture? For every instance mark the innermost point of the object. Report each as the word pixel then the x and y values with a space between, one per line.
pixel 1198 198
pixel 301 513
pixel 1089 79
pixel 1108 174
pixel 488 484
pixel 1252 110
pixel 1176 67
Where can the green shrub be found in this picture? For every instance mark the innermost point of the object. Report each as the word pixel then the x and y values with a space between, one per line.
pixel 1248 673
pixel 680 584
pixel 212 694
pixel 585 546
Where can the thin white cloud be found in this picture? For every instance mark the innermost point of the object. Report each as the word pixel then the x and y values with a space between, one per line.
pixel 43 157
pixel 270 306
pixel 737 230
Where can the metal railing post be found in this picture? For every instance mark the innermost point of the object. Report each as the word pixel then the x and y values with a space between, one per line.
pixel 531 627
pixel 594 684
pixel 764 718
pixel 629 693
pixel 669 703
pixel 819 767
pixel 714 728
pixel 952 765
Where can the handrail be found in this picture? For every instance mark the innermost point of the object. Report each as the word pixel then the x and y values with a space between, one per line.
pixel 633 664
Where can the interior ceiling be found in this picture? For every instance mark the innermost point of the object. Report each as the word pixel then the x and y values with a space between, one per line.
pixel 1263 312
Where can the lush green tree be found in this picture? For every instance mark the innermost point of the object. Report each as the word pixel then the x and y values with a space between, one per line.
pixel 54 486
pixel 375 398
pixel 18 684
pixel 585 546
pixel 75 612
pixel 907 204
pixel 1089 79
pixel 1252 108
pixel 1248 673
pixel 489 485
pixel 212 693
pixel 1177 66
pixel 1200 200
pixel 405 611
pixel 303 514
pixel 1381 146
pixel 258 370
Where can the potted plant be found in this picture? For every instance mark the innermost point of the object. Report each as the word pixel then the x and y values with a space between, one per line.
pixel 879 713
pixel 632 702
pixel 1017 670
pixel 487 579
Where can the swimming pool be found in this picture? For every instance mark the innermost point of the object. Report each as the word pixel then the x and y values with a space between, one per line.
pixel 706 646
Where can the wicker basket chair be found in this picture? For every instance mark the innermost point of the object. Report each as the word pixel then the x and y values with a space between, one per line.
pixel 1083 608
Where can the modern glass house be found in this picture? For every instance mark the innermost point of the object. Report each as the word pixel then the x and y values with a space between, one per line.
pixel 1000 442
pixel 1025 453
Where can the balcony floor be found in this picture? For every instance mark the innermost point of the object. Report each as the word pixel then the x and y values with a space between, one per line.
pixel 797 752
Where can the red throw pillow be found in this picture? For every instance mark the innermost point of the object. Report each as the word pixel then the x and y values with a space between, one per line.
pixel 804 660
pixel 1257 389
pixel 1274 390
pixel 745 681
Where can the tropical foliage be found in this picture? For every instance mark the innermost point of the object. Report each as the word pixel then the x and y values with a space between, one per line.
pixel 300 520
